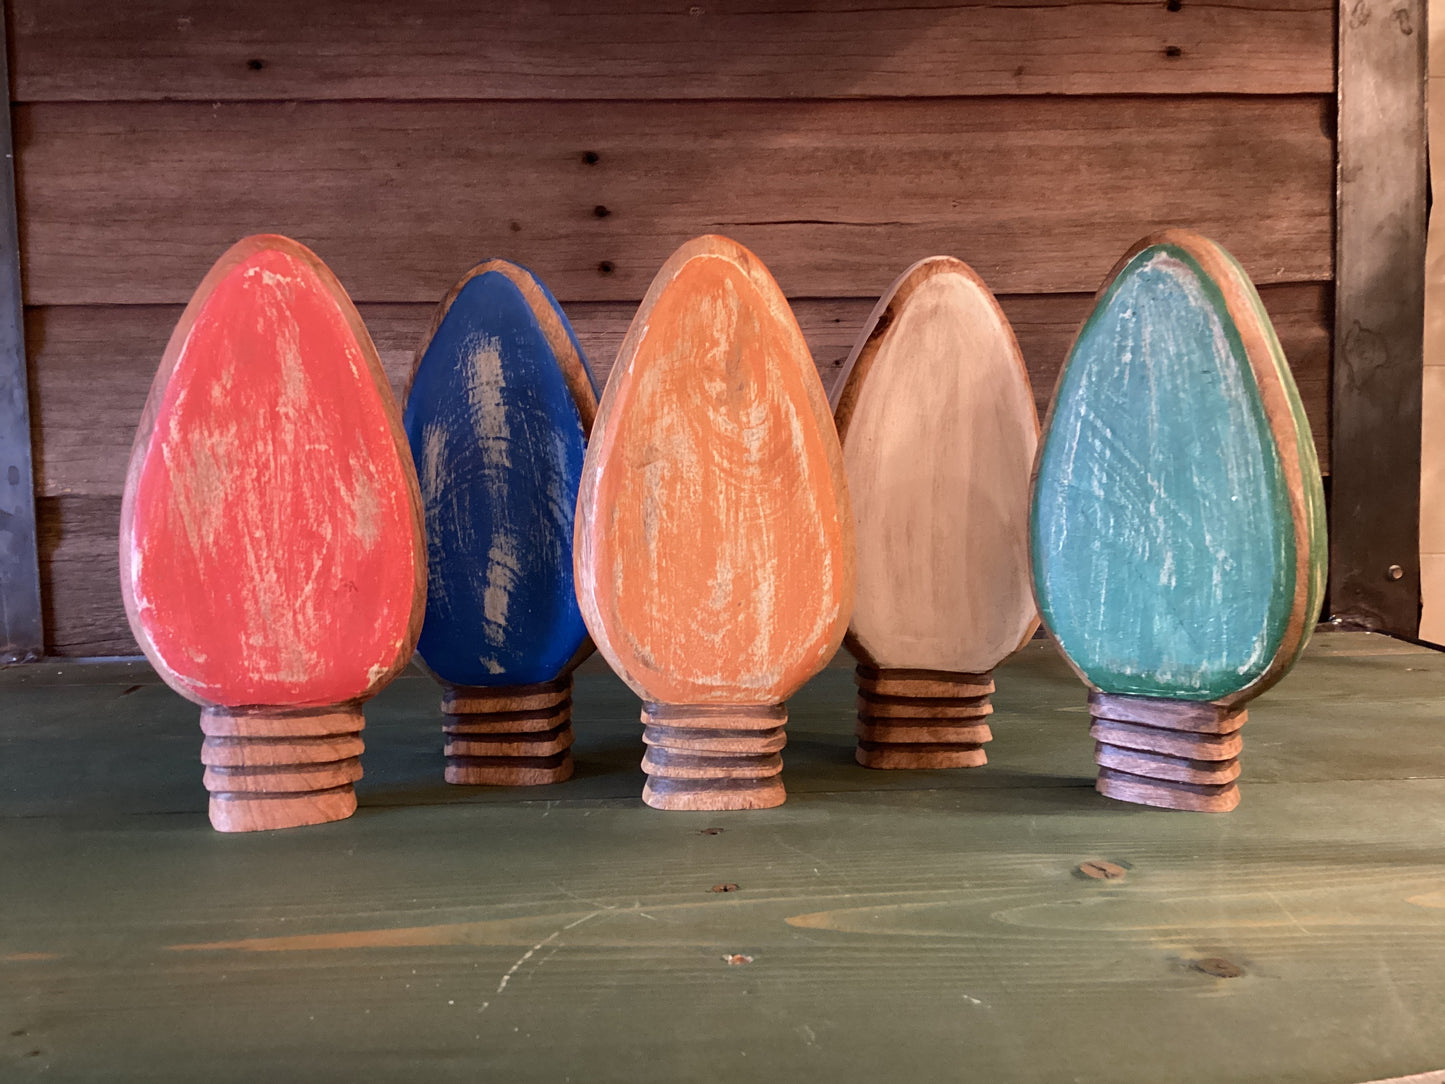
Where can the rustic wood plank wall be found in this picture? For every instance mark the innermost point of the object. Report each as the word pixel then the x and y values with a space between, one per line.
pixel 841 141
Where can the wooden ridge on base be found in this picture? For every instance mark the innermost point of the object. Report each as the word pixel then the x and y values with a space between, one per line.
pixel 280 769
pixel 922 718
pixel 713 552
pixel 497 413
pixel 272 549
pixel 714 756
pixel 509 736
pixel 1178 754
pixel 938 428
pixel 1178 521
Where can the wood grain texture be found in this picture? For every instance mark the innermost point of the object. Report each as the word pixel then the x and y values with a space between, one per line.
pixel 910 718
pixel 939 432
pixel 1175 754
pixel 936 418
pixel 714 543
pixel 959 175
pixel 1382 202
pixel 90 365
pixel 1178 518
pixel 169 49
pixel 271 550
pixel 510 736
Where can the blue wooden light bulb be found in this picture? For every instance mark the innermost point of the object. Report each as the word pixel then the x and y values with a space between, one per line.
pixel 500 405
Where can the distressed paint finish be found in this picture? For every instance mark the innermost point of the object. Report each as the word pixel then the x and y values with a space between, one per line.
pixel 496 416
pixel 936 416
pixel 937 421
pixel 714 543
pixel 1166 548
pixel 714 540
pixel 1178 519
pixel 271 549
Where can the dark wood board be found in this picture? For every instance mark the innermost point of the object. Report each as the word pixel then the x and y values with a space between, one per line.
pixel 522 935
pixel 594 195
pixel 22 635
pixel 271 49
pixel 1382 198
pixel 90 364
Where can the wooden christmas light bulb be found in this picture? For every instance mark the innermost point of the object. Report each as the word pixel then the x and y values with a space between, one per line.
pixel 714 546
pixel 939 432
pixel 1177 527
pixel 500 404
pixel 271 552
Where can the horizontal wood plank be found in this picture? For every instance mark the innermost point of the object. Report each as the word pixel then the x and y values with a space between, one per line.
pixel 74 50
pixel 881 926
pixel 92 367
pixel 80 576
pixel 132 204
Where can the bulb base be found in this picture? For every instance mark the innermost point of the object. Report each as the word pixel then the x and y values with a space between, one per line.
pixel 278 768
pixel 508 736
pixel 1174 754
pixel 922 718
pixel 713 757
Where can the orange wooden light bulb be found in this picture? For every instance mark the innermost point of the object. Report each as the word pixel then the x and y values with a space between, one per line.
pixel 714 542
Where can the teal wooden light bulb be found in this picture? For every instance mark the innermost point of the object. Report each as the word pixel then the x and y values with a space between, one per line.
pixel 1177 525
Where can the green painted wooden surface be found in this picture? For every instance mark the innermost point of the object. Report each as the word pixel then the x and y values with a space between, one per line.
pixel 902 925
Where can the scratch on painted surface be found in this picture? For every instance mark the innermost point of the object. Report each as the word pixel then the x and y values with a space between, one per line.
pixel 540 944
pixel 272 517
pixel 499 440
pixel 720 571
pixel 1162 536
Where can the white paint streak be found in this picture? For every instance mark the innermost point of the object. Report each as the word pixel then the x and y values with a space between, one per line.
pixel 262 463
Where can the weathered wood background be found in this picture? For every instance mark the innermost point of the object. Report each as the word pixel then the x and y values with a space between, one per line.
pixel 839 141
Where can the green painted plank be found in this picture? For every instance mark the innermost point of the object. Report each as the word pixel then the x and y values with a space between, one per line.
pixel 932 935
pixel 902 926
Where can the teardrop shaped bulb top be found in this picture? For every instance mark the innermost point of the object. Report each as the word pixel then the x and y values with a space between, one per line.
pixel 714 539
pixel 271 546
pixel 939 431
pixel 1177 549
pixel 496 416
